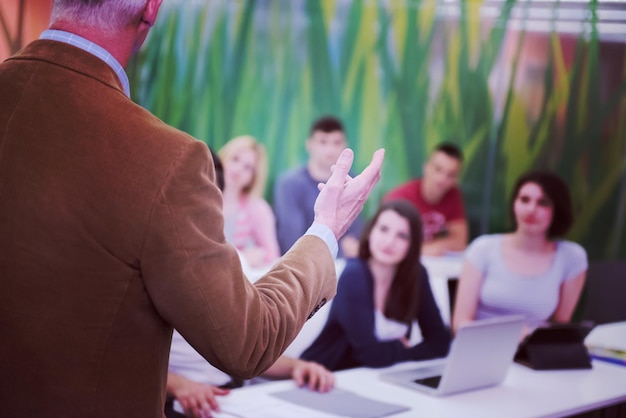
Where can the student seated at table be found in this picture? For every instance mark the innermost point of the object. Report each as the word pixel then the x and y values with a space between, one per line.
pixel 438 198
pixel 249 223
pixel 196 384
pixel 295 191
pixel 530 271
pixel 384 303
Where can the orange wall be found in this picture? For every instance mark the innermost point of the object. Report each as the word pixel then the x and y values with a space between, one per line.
pixel 35 20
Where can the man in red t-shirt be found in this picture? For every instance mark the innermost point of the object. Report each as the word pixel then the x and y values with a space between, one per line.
pixel 439 201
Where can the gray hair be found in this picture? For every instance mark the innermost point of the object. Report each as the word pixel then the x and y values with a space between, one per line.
pixel 103 14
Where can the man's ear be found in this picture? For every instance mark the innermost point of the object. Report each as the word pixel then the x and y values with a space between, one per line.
pixel 150 12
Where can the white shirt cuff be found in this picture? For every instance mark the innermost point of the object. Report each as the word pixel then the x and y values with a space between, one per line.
pixel 324 232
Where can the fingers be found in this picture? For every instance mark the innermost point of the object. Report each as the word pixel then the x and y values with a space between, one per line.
pixel 298 376
pixel 368 178
pixel 221 391
pixel 195 410
pixel 320 186
pixel 327 383
pixel 342 198
pixel 200 409
pixel 377 160
pixel 211 399
pixel 371 173
pixel 342 168
pixel 200 404
pixel 316 376
pixel 321 379
pixel 321 382
pixel 209 404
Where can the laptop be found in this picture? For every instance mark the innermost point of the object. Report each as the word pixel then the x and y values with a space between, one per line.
pixel 479 357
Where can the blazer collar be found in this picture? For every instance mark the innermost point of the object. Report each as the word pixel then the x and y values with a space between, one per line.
pixel 71 57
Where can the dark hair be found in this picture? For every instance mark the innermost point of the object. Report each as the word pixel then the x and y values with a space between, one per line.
pixel 327 124
pixel 219 169
pixel 557 192
pixel 402 299
pixel 450 150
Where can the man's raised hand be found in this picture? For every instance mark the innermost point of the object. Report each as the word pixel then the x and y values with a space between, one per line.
pixel 342 198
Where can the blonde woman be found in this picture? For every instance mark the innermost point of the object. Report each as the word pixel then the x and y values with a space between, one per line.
pixel 249 223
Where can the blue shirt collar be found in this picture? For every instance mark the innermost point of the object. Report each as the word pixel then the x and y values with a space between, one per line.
pixel 92 48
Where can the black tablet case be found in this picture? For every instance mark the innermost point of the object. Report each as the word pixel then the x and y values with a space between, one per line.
pixel 556 346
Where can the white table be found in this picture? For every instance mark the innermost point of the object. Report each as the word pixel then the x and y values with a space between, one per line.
pixel 524 393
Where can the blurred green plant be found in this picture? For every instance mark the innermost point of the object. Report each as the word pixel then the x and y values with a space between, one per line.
pixel 404 75
pixel 574 135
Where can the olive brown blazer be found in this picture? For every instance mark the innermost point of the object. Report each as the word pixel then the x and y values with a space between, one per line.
pixel 111 233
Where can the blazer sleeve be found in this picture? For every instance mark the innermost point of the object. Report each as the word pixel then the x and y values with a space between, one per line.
pixel 195 280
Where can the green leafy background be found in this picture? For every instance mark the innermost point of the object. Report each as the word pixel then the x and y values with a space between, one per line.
pixel 406 75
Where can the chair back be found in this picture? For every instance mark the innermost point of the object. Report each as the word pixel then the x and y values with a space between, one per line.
pixel 604 295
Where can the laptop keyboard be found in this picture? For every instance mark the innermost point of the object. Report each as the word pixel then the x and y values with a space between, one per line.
pixel 432 381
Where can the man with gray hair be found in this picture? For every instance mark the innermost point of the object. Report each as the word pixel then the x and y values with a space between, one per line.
pixel 112 233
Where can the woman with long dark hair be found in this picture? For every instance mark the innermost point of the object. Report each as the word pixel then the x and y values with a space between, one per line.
pixel 384 311
pixel 530 271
